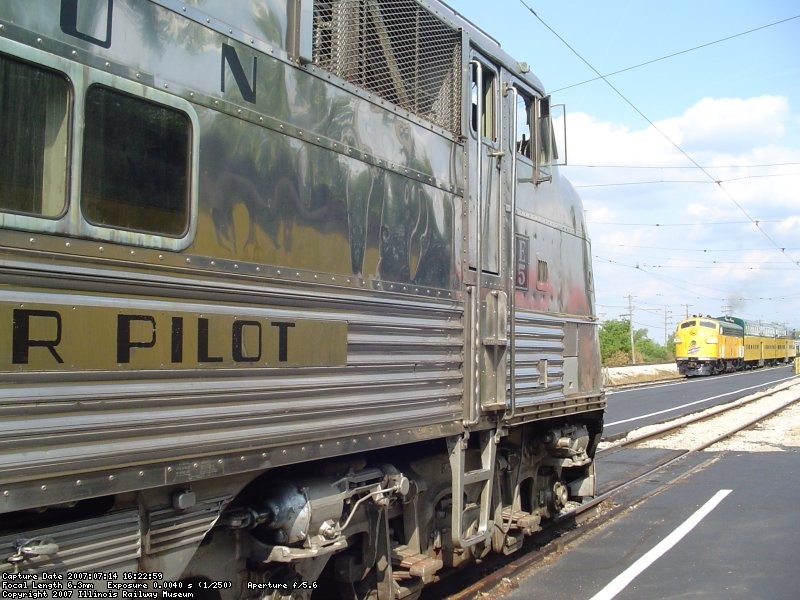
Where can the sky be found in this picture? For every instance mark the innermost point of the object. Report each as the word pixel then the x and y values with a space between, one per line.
pixel 688 167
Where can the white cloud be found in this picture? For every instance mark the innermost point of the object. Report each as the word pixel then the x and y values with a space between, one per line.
pixel 789 225
pixel 746 144
pixel 729 125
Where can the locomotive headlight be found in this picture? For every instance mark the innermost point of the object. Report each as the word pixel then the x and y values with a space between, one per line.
pixel 677 340
pixel 712 339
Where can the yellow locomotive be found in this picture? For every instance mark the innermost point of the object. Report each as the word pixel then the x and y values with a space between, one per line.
pixel 708 345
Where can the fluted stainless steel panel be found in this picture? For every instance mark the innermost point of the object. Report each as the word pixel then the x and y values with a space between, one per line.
pixel 539 347
pixel 403 370
pixel 170 529
pixel 108 543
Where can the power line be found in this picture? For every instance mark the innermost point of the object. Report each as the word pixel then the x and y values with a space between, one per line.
pixel 765 176
pixel 705 250
pixel 685 224
pixel 670 280
pixel 701 181
pixel 673 55
pixel 664 135
pixel 652 182
pixel 717 266
pixel 643 266
pixel 686 263
pixel 681 284
pixel 765 165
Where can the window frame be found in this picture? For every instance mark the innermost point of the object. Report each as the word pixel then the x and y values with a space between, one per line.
pixel 528 98
pixel 71 222
pixel 82 199
pixel 67 126
pixel 491 89
pixel 127 236
pixel 544 153
pixel 60 67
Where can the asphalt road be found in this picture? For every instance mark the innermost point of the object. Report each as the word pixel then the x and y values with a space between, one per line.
pixel 635 407
pixel 728 531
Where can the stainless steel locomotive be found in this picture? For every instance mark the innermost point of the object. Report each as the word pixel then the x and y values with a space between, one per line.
pixel 292 297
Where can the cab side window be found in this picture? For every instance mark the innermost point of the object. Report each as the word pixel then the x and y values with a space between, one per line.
pixel 136 164
pixel 546 153
pixel 482 88
pixel 524 145
pixel 34 139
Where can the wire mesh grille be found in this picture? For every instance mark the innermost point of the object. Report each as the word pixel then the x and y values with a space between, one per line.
pixel 395 49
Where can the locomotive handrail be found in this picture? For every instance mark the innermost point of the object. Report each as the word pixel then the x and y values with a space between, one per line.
pixel 512 312
pixel 473 419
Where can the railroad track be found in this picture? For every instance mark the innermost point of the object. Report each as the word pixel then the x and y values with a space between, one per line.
pixel 687 436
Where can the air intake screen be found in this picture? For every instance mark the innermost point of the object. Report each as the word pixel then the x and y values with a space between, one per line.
pixel 395 49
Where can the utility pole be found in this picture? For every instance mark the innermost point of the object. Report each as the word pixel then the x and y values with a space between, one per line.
pixel 667 314
pixel 630 316
pixel 687 309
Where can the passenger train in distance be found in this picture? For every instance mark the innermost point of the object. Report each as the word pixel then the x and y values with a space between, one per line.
pixel 293 297
pixel 707 345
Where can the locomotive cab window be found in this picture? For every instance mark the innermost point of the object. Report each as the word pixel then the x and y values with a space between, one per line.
pixel 34 131
pixel 546 152
pixel 732 330
pixel 136 164
pixel 482 99
pixel 524 113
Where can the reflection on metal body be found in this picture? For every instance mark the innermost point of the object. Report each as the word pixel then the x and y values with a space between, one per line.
pixel 329 288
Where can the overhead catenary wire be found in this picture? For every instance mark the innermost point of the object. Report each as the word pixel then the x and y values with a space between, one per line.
pixel 751 166
pixel 717 266
pixel 704 181
pixel 666 137
pixel 713 293
pixel 678 284
pixel 700 181
pixel 674 54
pixel 705 250
pixel 684 224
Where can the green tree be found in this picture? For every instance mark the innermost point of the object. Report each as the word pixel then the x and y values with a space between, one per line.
pixel 615 340
pixel 615 345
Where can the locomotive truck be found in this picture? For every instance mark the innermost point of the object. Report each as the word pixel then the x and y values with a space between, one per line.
pixel 293 297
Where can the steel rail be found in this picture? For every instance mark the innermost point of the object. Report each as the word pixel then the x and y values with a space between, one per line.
pixel 694 418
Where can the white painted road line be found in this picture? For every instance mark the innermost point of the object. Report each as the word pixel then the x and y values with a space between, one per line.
pixel 623 579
